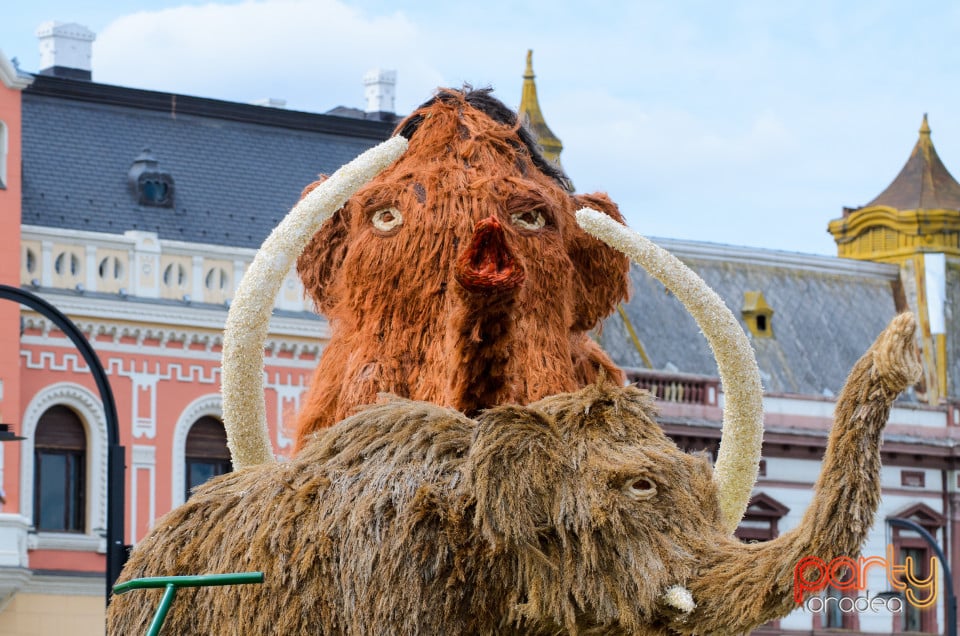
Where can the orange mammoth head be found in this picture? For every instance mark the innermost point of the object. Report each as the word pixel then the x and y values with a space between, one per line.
pixel 459 275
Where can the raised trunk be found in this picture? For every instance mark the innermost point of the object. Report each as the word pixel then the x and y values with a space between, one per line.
pixel 745 585
pixel 488 281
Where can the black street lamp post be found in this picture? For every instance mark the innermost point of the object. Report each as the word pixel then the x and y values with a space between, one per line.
pixel 116 467
pixel 950 603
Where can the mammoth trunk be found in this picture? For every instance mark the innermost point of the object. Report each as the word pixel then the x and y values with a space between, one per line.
pixel 488 281
pixel 759 578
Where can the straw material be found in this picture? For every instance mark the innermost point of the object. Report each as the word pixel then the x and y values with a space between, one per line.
pixel 738 459
pixel 244 411
pixel 575 514
pixel 459 275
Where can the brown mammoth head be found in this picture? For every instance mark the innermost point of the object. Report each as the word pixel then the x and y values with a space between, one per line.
pixel 459 275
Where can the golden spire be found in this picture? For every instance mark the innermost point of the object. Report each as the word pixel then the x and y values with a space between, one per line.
pixel 532 117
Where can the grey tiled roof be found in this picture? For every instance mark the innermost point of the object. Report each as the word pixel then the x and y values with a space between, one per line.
pixel 234 178
pixel 823 320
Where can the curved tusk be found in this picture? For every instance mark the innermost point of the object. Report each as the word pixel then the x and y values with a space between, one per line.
pixel 738 459
pixel 248 321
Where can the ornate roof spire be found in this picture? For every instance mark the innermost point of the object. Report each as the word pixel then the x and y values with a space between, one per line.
pixel 918 212
pixel 532 117
pixel 914 222
pixel 924 183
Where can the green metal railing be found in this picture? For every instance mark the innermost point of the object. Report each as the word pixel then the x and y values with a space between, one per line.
pixel 171 583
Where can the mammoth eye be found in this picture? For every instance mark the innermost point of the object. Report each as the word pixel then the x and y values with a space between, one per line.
pixel 387 219
pixel 529 220
pixel 640 488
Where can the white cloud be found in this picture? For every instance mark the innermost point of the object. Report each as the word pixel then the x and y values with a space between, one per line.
pixel 313 51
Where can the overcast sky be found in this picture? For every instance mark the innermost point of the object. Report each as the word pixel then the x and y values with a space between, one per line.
pixel 749 123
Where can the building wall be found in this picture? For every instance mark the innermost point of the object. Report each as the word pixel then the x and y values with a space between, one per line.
pixel 10 215
pixel 31 614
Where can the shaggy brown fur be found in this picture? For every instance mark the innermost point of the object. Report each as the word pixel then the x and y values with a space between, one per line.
pixel 571 515
pixel 463 288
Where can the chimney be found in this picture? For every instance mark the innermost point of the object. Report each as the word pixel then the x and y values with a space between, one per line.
pixel 380 89
pixel 65 49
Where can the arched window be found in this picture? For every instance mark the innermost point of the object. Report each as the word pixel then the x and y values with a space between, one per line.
pixel 909 544
pixel 206 453
pixel 60 452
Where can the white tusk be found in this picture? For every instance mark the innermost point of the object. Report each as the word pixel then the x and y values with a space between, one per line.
pixel 738 459
pixel 248 321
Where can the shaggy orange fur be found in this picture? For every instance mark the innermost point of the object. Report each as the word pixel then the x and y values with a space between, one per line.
pixel 571 515
pixel 479 288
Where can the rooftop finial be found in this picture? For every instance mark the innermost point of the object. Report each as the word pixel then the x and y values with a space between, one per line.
pixel 528 74
pixel 925 127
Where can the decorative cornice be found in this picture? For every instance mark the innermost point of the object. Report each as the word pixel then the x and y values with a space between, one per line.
pixel 9 75
pixel 12 581
pixel 85 584
pixel 173 314
pixel 902 233
pixel 67 542
pixel 129 239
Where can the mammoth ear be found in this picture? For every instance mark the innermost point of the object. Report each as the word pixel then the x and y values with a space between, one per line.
pixel 322 256
pixel 601 279
pixel 517 461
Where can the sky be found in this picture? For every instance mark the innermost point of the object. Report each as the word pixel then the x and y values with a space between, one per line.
pixel 739 122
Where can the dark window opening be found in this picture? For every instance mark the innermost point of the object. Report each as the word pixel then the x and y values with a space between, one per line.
pixel 207 455
pixel 155 189
pixel 761 323
pixel 60 449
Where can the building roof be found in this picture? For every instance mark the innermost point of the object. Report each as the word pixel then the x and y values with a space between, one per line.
pixel 828 311
pixel 533 119
pixel 924 183
pixel 237 168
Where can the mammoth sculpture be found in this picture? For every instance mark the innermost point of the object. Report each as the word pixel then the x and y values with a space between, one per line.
pixel 459 276
pixel 574 514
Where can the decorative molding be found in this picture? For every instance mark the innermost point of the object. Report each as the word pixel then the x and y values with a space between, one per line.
pixel 144 458
pixel 143 254
pixel 13 580
pixel 212 405
pixel 144 341
pixel 86 584
pixel 182 318
pixel 288 401
pixel 10 77
pixel 90 410
pixel 67 541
